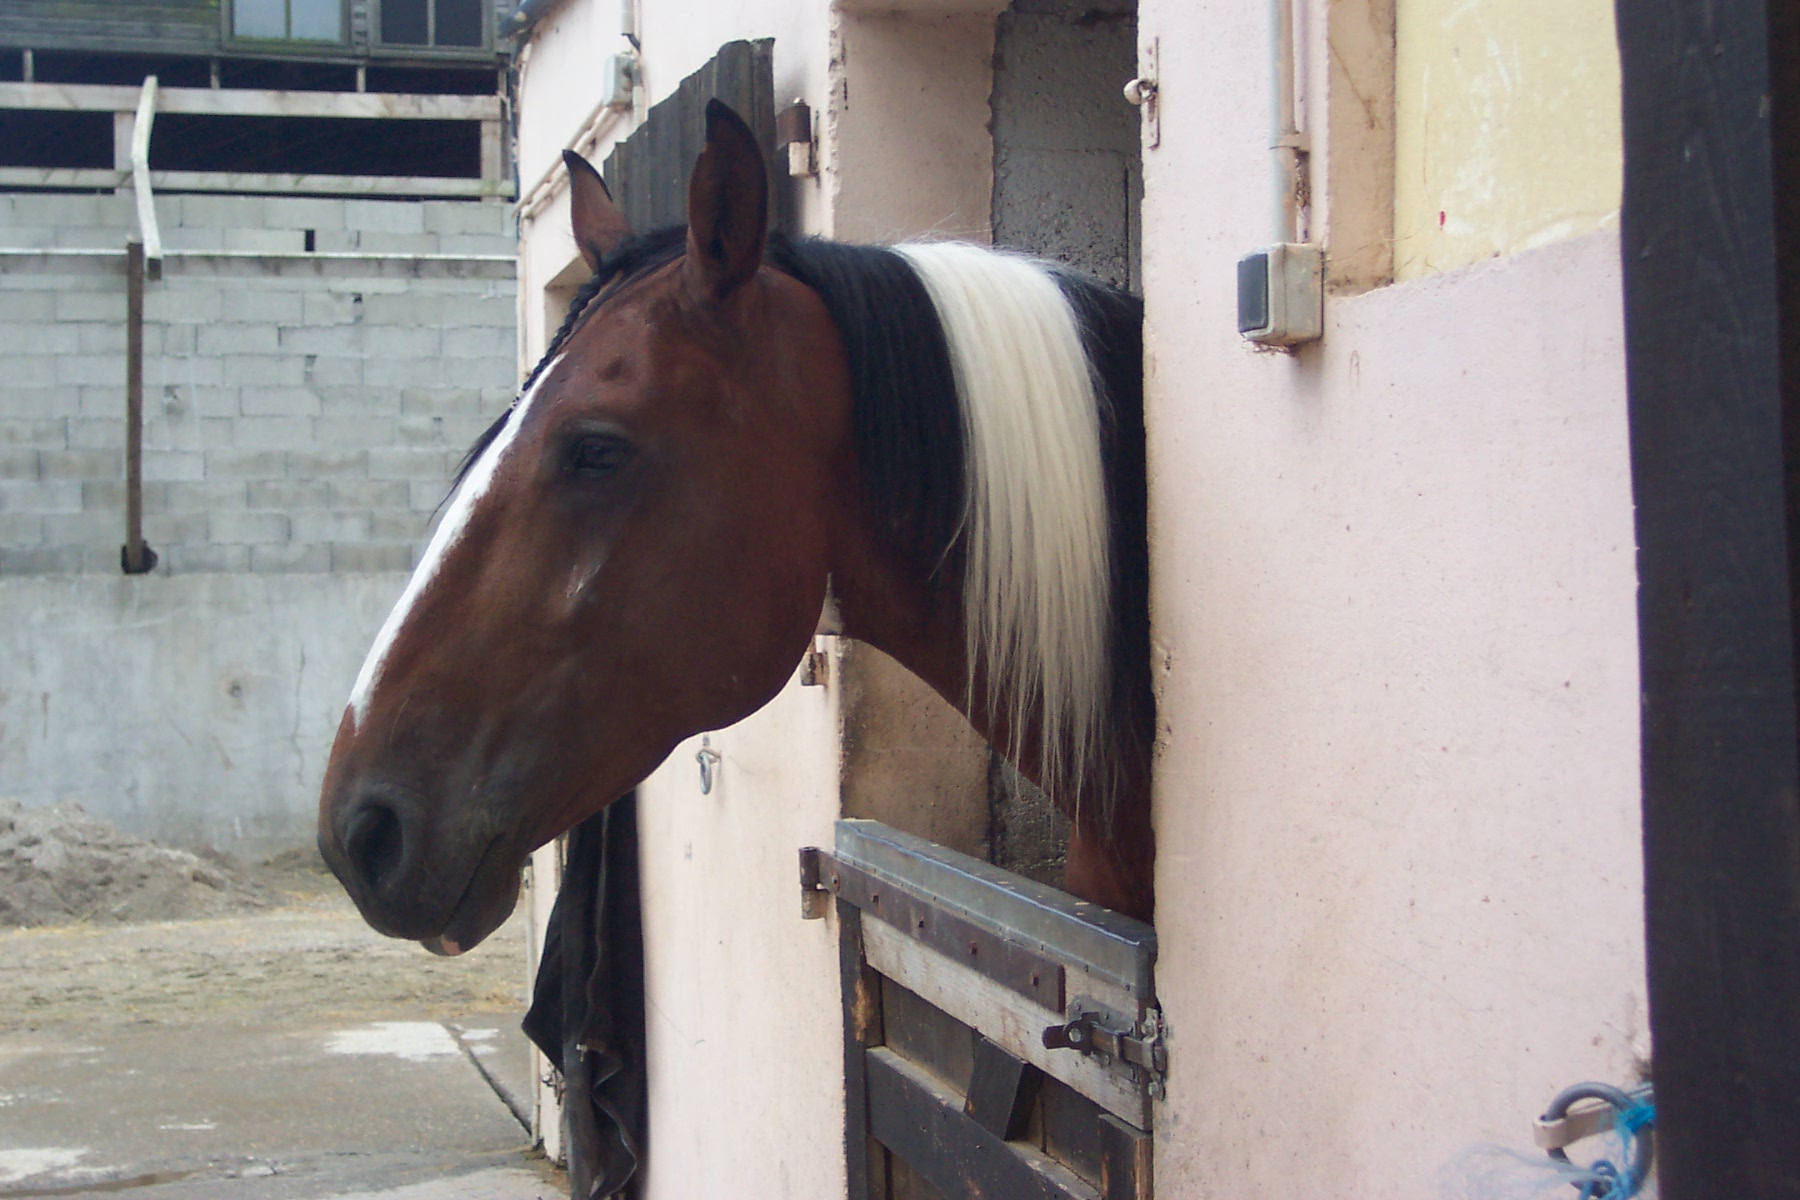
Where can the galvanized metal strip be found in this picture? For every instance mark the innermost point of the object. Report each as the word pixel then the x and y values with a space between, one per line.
pixel 1105 944
pixel 1007 962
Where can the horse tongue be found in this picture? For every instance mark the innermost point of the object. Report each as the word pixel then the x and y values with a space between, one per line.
pixel 442 945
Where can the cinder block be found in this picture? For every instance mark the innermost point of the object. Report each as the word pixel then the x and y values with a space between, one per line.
pixel 331 308
pixel 265 241
pixel 400 341
pixel 209 559
pixel 189 370
pixel 331 371
pixel 218 495
pixel 43 433
pixel 441 401
pixel 19 465
pixel 290 559
pixel 301 212
pixel 390 495
pixel 322 340
pixel 420 431
pixel 336 241
pixel 476 245
pixel 83 529
pixel 265 370
pixel 179 340
pixel 396 243
pixel 81 464
pixel 272 432
pixel 46 496
pixel 371 558
pixel 278 402
pixel 358 401
pixel 380 371
pixel 187 304
pixel 20 237
pixel 91 306
pixel 466 216
pixel 174 465
pixel 98 433
pixel 44 338
pixel 328 464
pixel 214 340
pixel 27 371
pixel 99 402
pixel 353 431
pixel 88 237
pixel 168 529
pixel 21 531
pixel 330 527
pixel 223 212
pixel 268 305
pixel 178 237
pixel 104 369
pixel 239 463
pixel 482 343
pixel 249 528
pixel 407 527
pixel 108 495
pixel 408 308
pixel 92 337
pixel 428 494
pixel 34 307
pixel 289 495
pixel 385 216
pixel 40 560
pixel 30 208
pixel 403 462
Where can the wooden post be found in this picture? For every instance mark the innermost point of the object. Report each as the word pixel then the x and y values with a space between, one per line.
pixel 135 557
pixel 1710 246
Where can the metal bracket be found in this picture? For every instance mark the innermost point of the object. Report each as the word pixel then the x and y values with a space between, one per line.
pixel 1138 1049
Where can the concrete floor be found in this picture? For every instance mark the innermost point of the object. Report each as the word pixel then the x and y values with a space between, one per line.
pixel 401 1100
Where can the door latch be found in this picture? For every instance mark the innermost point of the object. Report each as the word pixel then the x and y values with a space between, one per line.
pixel 1138 1049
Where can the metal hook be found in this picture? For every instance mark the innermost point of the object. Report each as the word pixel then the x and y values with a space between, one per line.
pixel 708 758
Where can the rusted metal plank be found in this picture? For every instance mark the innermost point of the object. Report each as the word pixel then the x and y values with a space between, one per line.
pixel 922 1121
pixel 135 558
pixel 1019 967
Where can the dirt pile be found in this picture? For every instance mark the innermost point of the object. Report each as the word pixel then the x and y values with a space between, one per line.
pixel 59 865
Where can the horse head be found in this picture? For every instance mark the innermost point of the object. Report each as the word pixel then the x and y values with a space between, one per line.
pixel 636 552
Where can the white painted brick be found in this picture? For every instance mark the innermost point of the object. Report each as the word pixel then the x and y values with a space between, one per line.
pixel 288 495
pixel 278 402
pixel 372 558
pixel 300 212
pixel 328 464
pixel 249 528
pixel 54 496
pixel 290 559
pixel 330 527
pixel 273 432
pixel 173 466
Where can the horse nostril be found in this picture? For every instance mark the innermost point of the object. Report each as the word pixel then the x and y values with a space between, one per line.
pixel 374 843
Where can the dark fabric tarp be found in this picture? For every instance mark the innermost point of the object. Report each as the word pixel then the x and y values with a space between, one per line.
pixel 587 1007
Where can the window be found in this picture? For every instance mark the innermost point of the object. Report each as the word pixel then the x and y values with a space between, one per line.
pixel 289 20
pixel 445 23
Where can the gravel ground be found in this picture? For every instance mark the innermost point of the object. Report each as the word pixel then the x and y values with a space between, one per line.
pixel 309 958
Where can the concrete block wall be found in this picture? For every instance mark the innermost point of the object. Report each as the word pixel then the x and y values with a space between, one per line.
pixel 302 414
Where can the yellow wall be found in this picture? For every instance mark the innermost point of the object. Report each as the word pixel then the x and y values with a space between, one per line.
pixel 1506 128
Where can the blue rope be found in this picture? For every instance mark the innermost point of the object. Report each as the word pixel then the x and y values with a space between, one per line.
pixel 1606 1180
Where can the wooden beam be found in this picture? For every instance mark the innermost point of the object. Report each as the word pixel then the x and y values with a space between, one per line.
pixel 997 1012
pixel 1002 1090
pixel 865 1170
pixel 1710 246
pixel 921 1120
pixel 246 102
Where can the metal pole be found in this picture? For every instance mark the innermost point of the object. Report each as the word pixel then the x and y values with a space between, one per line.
pixel 135 557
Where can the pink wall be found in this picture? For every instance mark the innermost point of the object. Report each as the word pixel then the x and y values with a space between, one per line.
pixel 1399 879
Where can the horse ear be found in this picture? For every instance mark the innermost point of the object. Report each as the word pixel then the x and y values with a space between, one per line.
pixel 728 208
pixel 599 225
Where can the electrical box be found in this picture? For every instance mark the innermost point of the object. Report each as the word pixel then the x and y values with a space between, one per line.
pixel 1281 294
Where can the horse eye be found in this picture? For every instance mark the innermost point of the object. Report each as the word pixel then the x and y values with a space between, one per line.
pixel 599 455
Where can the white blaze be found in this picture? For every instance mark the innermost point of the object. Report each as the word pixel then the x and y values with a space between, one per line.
pixel 456 518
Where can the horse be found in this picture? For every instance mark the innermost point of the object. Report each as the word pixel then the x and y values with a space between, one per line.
pixel 730 426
